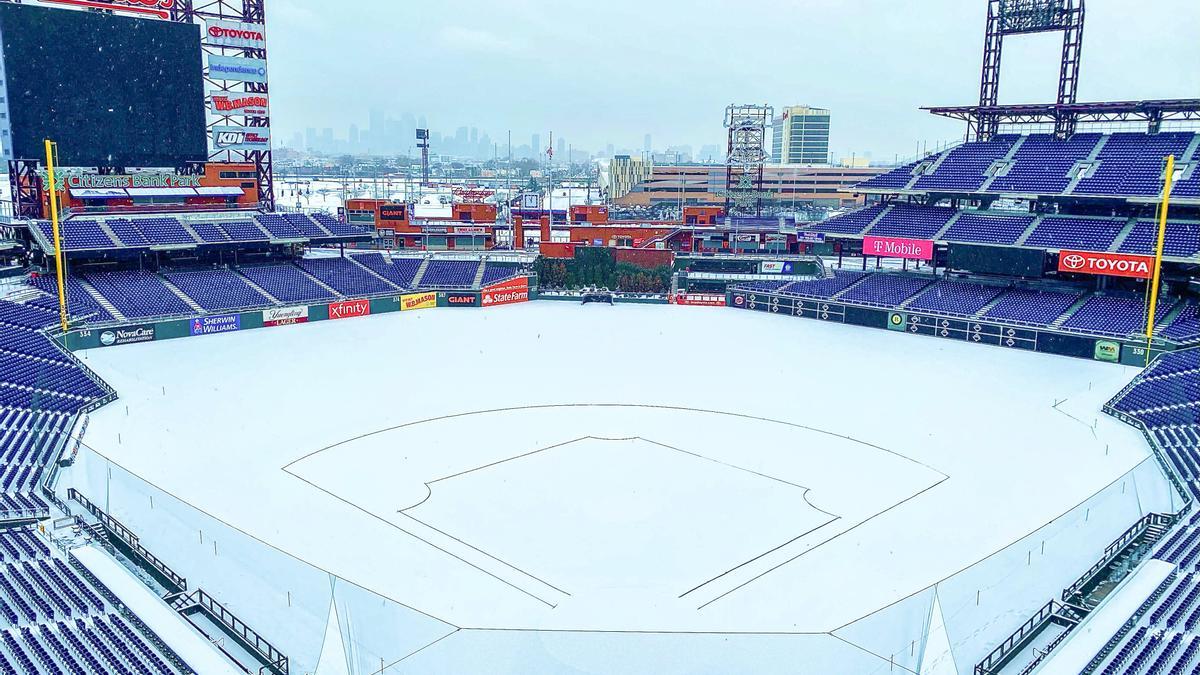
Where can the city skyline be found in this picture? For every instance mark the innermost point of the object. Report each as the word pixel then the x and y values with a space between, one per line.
pixel 649 69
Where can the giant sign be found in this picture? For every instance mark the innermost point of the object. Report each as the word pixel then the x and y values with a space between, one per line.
pixel 898 247
pixel 159 8
pixel 506 292
pixel 234 34
pixel 348 309
pixel 241 138
pixel 236 68
pixel 1107 264
pixel 238 104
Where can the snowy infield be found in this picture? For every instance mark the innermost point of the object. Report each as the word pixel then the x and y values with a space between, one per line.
pixel 629 468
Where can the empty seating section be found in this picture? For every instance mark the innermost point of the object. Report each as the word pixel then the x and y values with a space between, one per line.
pixel 59 622
pixel 278 226
pixel 1185 328
pixel 1182 239
pixel 399 271
pixel 960 298
pixel 164 231
pixel 496 272
pixel 338 228
pixel 450 274
pixel 345 277
pixel 1132 164
pixel 24 316
pixel 286 283
pixel 1032 307
pixel 218 289
pixel 886 290
pixel 824 288
pixel 987 229
pixel 209 232
pixel 127 232
pixel 243 230
pixel 1043 163
pixel 850 223
pixel 80 303
pixel 907 220
pixel 1086 234
pixel 1113 315
pixel 894 179
pixel 28 441
pixel 305 225
pixel 50 376
pixel 78 235
pixel 964 168
pixel 138 294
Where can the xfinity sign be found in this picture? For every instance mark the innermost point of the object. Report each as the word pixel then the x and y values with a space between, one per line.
pixel 1106 264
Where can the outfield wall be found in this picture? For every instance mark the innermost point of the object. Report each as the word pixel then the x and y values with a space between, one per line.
pixel 1007 336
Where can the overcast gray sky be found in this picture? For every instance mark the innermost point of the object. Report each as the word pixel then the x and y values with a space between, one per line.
pixel 609 72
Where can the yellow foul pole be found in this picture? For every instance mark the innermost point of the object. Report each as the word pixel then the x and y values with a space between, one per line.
pixel 1158 252
pixel 59 261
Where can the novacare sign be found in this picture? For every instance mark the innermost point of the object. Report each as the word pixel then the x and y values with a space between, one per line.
pixel 1107 264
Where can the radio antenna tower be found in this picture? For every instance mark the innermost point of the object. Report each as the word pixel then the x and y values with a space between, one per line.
pixel 745 157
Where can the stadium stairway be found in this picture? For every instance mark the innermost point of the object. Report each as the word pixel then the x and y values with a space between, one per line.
pixel 260 289
pixel 1123 234
pixel 187 227
pixel 1083 300
pixel 182 296
pixel 368 270
pixel 946 228
pixel 109 233
pixel 416 282
pixel 100 299
pixel 1070 189
pixel 1193 150
pixel 1029 231
pixel 1012 152
pixel 479 277
pixel 876 219
pixel 318 282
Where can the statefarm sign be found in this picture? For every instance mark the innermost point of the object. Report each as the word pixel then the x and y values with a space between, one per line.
pixel 1106 264
pixel 238 104
pixel 160 8
pixel 898 247
pixel 506 292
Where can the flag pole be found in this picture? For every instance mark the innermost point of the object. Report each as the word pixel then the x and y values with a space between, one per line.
pixel 59 259
pixel 1158 252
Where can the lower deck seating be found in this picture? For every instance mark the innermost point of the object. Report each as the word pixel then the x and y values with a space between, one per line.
pixel 218 290
pixel 346 277
pixel 138 294
pixel 286 283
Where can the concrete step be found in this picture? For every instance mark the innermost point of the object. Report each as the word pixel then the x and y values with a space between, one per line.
pixel 101 300
pixel 1029 231
pixel 876 219
pixel 260 289
pixel 479 275
pixel 182 296
pixel 318 282
pixel 110 234
pixel 1071 310
pixel 416 282
pixel 372 272
pixel 1123 234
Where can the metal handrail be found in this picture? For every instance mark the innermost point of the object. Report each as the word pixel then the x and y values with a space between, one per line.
pixel 127 536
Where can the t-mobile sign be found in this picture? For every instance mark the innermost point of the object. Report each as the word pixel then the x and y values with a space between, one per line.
pixel 898 247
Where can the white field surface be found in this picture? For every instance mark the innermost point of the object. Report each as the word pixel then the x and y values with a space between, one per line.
pixel 632 468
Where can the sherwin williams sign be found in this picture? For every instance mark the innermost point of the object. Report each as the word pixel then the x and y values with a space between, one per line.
pixel 898 247
pixel 417 301
pixel 349 309
pixel 208 325
pixel 285 316
pixel 506 292
pixel 1106 264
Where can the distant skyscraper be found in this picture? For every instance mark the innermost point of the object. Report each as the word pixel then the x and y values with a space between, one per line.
pixel 647 146
pixel 800 135
pixel 354 139
pixel 609 151
pixel 560 152
pixel 310 139
pixel 535 142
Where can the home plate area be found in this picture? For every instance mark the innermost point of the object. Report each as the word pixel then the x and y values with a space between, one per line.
pixel 612 513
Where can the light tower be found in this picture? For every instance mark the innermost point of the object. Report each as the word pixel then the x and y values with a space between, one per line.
pixel 1020 17
pixel 745 156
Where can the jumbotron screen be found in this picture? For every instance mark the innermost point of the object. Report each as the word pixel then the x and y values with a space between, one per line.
pixel 109 90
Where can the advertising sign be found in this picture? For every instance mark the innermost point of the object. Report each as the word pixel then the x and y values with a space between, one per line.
pixel 1107 264
pixel 698 299
pixel 811 237
pixel 506 292
pixel 393 211
pixel 774 267
pixel 238 104
pixel 158 8
pixel 234 34
pixel 236 68
pixel 74 179
pixel 241 138
pixel 470 230
pixel 898 247
pixel 531 201
pixel 462 300
pixel 417 301
pixel 128 335
pixel 208 325
pixel 1108 351
pixel 285 316
pixel 349 308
